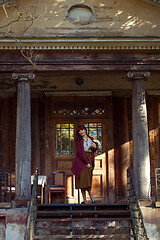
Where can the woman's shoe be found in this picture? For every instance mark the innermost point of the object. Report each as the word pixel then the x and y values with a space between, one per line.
pixel 93 201
pixel 84 202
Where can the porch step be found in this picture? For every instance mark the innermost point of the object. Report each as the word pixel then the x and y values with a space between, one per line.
pixel 90 221
pixel 120 236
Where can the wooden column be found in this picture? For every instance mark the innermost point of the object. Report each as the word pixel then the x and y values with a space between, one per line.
pixel 141 159
pixel 23 137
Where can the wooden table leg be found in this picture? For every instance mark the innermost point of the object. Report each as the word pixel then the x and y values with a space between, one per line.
pixel 49 197
pixel 42 195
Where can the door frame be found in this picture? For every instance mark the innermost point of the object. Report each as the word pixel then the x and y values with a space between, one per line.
pixel 77 119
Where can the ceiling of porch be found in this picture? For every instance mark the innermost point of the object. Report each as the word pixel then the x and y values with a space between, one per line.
pixel 80 84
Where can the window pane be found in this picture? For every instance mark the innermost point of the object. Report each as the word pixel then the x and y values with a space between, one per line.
pixel 93 133
pixel 58 140
pixel 93 125
pixel 64 139
pixel 64 125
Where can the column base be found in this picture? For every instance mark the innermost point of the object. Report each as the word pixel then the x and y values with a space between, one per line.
pixel 145 202
pixel 20 203
pixel 156 204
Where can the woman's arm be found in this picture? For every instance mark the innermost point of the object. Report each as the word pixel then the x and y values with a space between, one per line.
pixel 94 145
pixel 80 152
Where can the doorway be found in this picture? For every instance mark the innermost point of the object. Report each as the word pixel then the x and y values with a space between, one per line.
pixel 66 119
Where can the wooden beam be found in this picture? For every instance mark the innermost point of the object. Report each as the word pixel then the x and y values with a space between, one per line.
pixel 67 62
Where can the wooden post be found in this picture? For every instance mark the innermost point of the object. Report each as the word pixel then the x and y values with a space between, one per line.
pixel 23 137
pixel 141 159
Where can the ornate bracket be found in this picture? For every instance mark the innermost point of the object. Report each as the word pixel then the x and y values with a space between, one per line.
pixel 26 77
pixel 138 75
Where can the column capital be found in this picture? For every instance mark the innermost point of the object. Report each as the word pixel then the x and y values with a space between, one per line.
pixel 138 75
pixel 23 76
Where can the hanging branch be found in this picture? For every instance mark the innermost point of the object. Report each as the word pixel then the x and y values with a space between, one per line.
pixel 26 17
pixel 28 56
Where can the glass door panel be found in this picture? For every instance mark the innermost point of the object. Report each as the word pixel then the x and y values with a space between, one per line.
pixel 95 131
pixel 64 139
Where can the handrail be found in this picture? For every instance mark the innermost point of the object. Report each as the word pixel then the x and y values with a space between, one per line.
pixel 31 220
pixel 136 214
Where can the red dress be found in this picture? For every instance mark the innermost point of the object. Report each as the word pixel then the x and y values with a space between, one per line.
pixel 81 160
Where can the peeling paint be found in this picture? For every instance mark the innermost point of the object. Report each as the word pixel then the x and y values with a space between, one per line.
pixel 14 223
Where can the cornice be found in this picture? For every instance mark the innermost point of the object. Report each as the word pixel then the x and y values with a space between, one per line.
pixel 82 44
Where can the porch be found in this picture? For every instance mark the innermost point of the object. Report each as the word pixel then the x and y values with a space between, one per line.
pixel 60 102
pixel 58 105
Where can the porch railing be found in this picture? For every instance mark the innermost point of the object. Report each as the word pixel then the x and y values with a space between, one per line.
pixel 136 214
pixel 31 220
pixel 7 185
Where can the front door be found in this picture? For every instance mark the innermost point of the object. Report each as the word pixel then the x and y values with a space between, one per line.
pixel 64 138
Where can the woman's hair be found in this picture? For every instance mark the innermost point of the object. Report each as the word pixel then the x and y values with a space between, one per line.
pixel 80 127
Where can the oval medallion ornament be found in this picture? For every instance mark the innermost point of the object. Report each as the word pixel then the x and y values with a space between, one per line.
pixel 80 13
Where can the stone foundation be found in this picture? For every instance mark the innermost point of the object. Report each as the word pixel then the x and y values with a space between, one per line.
pixel 13 223
pixel 152 219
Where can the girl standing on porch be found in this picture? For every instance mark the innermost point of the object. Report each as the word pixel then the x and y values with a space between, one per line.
pixel 83 164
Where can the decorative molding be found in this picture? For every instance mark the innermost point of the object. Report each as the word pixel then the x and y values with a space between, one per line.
pixel 138 75
pixel 83 44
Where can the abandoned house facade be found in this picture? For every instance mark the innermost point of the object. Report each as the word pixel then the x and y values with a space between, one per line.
pixel 65 63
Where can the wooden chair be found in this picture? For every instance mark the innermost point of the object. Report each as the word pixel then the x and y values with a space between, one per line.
pixel 57 184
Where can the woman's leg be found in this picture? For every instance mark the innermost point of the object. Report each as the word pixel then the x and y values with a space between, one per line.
pixel 91 195
pixel 83 191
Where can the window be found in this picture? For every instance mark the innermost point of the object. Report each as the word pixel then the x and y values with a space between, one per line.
pixel 64 138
